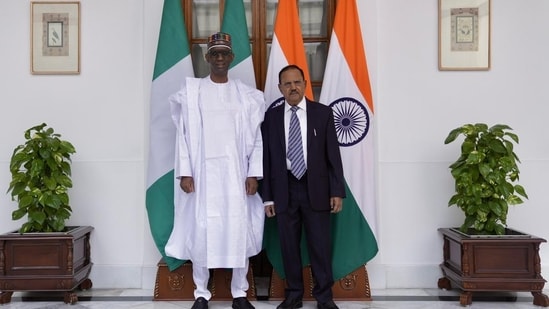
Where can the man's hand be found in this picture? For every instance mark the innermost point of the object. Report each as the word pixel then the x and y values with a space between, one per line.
pixel 251 185
pixel 336 204
pixel 270 210
pixel 187 184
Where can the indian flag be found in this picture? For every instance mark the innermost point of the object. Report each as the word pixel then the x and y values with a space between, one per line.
pixel 234 23
pixel 346 88
pixel 173 63
pixel 287 48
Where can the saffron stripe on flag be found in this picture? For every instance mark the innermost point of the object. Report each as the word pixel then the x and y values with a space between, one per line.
pixel 287 48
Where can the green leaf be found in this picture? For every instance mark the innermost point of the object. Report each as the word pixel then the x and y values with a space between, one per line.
pixel 50 183
pixel 467 147
pixel 59 226
pixel 481 127
pixel 485 170
pixel 520 190
pixel 514 200
pixel 25 200
pixel 475 157
pixel 513 136
pixel 45 153
pixel 37 215
pixel 64 213
pixel 18 188
pixel 485 176
pixel 18 214
pixel 499 229
pixel 453 135
pixel 67 148
pixel 40 170
pixel 63 198
pixel 479 226
pixel 25 228
pixel 453 200
pixel 497 146
pixel 500 127
pixel 495 208
pixel 64 181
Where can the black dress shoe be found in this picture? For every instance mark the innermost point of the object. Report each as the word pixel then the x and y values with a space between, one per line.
pixel 200 303
pixel 290 303
pixel 327 305
pixel 242 303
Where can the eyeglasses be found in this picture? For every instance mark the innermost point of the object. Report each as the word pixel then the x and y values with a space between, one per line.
pixel 215 53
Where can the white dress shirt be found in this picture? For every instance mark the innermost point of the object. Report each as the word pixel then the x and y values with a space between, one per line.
pixel 302 116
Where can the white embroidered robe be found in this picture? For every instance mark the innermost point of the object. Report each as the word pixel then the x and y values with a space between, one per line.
pixel 219 144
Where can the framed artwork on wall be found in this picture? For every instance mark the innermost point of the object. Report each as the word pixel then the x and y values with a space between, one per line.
pixel 55 37
pixel 463 35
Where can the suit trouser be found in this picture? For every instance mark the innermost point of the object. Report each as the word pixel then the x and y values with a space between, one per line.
pixel 239 282
pixel 300 215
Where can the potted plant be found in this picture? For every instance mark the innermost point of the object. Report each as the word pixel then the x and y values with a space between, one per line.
pixel 44 254
pixel 485 177
pixel 41 177
pixel 484 254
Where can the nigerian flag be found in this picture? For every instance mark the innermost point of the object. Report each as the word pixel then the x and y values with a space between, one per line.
pixel 234 23
pixel 173 63
pixel 346 88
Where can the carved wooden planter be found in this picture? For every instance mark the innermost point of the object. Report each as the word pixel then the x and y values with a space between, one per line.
pixel 354 286
pixel 492 263
pixel 45 262
pixel 179 285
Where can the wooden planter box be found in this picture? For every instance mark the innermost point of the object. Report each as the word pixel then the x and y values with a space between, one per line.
pixel 492 263
pixel 45 262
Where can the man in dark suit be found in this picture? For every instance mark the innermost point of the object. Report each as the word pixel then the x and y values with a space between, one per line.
pixel 302 184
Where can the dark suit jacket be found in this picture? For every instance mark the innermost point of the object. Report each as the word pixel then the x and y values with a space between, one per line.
pixel 324 167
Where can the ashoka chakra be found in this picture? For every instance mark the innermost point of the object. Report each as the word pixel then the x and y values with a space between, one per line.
pixel 351 121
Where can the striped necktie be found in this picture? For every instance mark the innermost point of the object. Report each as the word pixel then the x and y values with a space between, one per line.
pixel 295 147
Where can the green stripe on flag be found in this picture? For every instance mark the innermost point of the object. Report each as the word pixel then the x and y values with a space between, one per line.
pixel 354 242
pixel 234 23
pixel 172 42
pixel 161 193
pixel 353 247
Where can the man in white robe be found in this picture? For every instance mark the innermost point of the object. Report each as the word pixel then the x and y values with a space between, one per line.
pixel 218 214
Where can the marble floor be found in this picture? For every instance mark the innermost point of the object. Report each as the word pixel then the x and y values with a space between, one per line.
pixel 381 299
